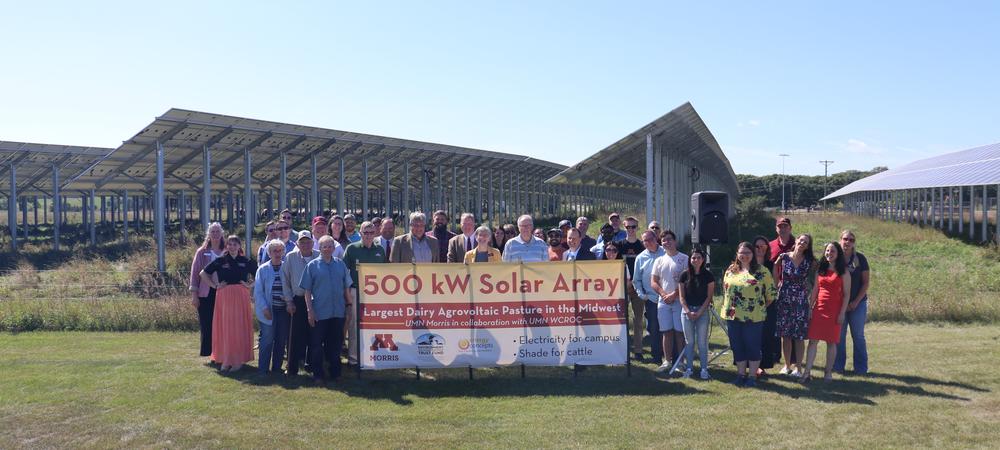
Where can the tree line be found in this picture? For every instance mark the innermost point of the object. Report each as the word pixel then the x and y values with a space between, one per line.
pixel 801 191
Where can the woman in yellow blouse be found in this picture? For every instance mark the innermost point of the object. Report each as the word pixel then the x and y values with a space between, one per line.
pixel 484 252
pixel 749 289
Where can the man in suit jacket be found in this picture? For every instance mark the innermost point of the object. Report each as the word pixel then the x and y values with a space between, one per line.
pixel 576 251
pixel 416 246
pixel 387 233
pixel 463 242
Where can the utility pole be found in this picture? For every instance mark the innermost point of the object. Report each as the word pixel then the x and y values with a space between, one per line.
pixel 826 178
pixel 783 156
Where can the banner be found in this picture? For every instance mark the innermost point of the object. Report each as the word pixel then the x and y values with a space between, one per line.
pixel 492 314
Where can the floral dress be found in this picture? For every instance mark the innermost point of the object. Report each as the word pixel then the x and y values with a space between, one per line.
pixel 793 299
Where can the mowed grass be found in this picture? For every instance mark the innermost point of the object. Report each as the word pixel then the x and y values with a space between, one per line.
pixel 917 274
pixel 930 386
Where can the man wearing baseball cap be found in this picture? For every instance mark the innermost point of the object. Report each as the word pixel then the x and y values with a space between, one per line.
pixel 564 226
pixel 291 272
pixel 615 220
pixel 554 238
pixel 785 241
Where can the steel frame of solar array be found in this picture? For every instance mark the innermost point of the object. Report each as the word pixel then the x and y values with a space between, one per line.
pixel 226 154
pixel 33 168
pixel 946 191
pixel 670 158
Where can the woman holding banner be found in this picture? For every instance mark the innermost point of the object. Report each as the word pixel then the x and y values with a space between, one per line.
pixel 749 289
pixel 483 251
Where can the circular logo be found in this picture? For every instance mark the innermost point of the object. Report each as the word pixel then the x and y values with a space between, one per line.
pixel 463 344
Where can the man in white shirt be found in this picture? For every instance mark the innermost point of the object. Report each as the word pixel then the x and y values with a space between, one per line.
pixel 667 270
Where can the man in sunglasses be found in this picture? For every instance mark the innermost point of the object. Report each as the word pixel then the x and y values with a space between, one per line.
pixel 284 231
pixel 286 215
pixel 629 248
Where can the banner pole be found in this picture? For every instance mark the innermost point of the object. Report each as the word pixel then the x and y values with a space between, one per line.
pixel 357 323
pixel 524 303
pixel 357 329
pixel 628 356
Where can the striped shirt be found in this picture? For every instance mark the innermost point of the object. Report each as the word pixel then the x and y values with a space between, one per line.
pixel 277 297
pixel 535 250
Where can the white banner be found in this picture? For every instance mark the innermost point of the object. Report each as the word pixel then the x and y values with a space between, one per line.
pixel 484 315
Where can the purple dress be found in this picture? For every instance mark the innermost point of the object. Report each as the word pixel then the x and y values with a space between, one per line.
pixel 793 299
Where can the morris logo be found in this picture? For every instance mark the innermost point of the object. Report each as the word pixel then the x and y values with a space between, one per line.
pixel 384 341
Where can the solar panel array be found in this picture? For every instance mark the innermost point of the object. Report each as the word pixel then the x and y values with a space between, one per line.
pixel 33 164
pixel 973 167
pixel 680 131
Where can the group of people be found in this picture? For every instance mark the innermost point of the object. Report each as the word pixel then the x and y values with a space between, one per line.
pixel 304 287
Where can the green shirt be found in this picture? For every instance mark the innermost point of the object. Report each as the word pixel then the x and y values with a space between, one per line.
pixel 747 295
pixel 357 253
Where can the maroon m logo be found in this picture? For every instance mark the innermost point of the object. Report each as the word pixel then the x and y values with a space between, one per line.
pixel 384 341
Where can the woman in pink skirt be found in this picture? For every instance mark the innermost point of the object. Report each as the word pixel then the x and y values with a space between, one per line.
pixel 232 325
pixel 829 305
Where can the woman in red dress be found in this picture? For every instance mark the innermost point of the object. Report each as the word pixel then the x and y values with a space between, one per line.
pixel 828 306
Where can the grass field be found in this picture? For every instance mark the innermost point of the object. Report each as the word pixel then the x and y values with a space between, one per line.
pixel 930 386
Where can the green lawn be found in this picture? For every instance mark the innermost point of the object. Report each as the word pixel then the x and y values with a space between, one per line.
pixel 931 386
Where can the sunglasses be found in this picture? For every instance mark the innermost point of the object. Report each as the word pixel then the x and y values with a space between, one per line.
pixel 631 227
pixel 654 228
pixel 283 229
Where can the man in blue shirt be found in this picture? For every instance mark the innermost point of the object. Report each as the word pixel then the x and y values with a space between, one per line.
pixel 327 284
pixel 642 276
pixel 351 228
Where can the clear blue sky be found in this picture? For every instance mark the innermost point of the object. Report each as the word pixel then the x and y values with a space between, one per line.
pixel 860 83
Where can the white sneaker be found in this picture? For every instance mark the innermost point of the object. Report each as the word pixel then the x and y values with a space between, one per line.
pixel 686 374
pixel 663 367
pixel 783 371
pixel 796 372
pixel 704 374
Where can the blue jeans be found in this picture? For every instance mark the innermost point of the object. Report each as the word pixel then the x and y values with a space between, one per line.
pixel 273 339
pixel 265 346
pixel 696 330
pixel 653 328
pixel 744 340
pixel 856 321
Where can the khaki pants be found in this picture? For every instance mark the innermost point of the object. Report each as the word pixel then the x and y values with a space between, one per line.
pixel 638 318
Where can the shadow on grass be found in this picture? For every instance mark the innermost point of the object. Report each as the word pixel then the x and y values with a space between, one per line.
pixel 864 390
pixel 400 384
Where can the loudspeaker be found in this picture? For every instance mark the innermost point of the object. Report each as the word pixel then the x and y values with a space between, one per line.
pixel 709 217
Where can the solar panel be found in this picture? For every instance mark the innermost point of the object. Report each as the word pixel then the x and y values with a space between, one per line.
pixel 973 167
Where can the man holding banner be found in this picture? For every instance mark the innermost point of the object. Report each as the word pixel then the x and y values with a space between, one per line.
pixel 363 252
